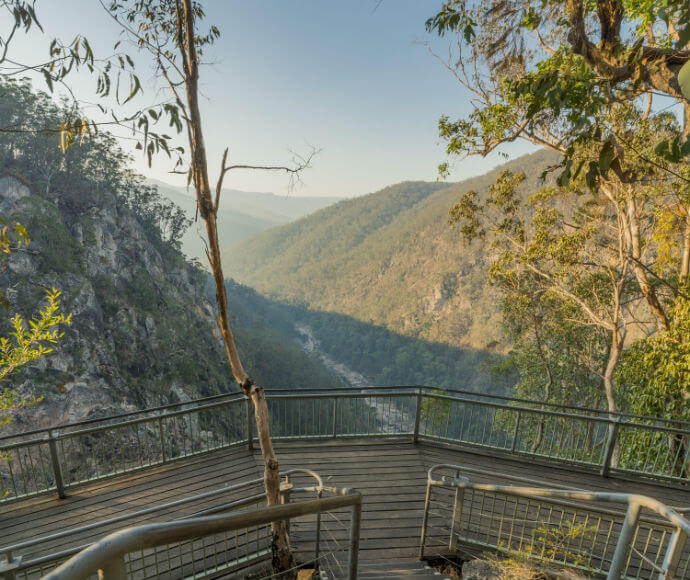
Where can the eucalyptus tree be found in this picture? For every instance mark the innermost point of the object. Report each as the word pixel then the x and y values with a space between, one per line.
pixel 556 250
pixel 536 72
pixel 168 32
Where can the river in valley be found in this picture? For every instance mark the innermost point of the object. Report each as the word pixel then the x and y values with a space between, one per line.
pixel 386 414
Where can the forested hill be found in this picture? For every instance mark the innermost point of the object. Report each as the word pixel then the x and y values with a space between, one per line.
pixel 241 214
pixel 388 258
pixel 144 328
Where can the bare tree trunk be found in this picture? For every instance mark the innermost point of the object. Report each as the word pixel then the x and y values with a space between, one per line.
pixel 282 555
pixel 635 250
pixel 547 393
pixel 685 258
pixel 617 340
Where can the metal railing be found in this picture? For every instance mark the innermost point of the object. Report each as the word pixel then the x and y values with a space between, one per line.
pixel 560 528
pixel 111 557
pixel 197 555
pixel 59 458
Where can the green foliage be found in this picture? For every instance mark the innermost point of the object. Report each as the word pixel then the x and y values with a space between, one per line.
pixel 533 78
pixel 653 375
pixel 79 179
pixel 559 545
pixel 30 341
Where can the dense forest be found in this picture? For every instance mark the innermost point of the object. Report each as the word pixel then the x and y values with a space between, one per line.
pixel 383 357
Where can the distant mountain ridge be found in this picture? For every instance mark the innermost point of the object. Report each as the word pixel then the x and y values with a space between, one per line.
pixel 242 213
pixel 388 258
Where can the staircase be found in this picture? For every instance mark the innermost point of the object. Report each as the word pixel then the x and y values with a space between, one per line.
pixel 412 570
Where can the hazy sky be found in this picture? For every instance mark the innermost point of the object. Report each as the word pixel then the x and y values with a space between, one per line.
pixel 351 77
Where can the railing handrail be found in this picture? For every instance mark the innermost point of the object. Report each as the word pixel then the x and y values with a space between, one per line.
pixel 301 392
pixel 296 396
pixel 634 504
pixel 469 393
pixel 60 426
pixel 652 504
pixel 108 553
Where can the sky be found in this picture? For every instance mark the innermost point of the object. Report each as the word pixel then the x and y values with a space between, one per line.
pixel 354 79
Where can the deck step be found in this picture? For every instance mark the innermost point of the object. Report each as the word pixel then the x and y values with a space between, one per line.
pixel 411 570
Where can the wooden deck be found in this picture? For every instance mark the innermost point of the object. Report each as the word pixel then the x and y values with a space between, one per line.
pixel 390 474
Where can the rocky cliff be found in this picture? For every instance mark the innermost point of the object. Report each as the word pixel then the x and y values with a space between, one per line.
pixel 142 331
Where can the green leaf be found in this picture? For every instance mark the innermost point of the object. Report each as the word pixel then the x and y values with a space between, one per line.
pixel 606 156
pixel 684 79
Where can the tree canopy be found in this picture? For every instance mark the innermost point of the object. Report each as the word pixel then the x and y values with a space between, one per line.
pixel 599 258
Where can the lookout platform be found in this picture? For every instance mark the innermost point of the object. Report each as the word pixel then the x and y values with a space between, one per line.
pixel 387 466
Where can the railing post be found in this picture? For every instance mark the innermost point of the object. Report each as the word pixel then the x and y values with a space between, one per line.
pixel 417 417
pixel 317 544
pixel 285 489
pixel 425 520
pixel 9 566
pixel 55 461
pixel 335 417
pixel 516 431
pixel 457 515
pixel 161 436
pixel 250 426
pixel 625 539
pixel 355 523
pixel 610 446
pixel 674 551
pixel 114 569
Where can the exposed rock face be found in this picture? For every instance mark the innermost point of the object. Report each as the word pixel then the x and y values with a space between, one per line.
pixel 143 328
pixel 480 570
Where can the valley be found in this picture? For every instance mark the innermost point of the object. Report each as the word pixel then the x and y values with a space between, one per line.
pixel 390 259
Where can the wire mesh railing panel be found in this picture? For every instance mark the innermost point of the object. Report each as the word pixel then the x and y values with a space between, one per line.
pixel 380 414
pixel 72 456
pixel 333 416
pixel 537 529
pixel 200 431
pixel 202 557
pixel 37 571
pixel 659 452
pixel 25 470
pixel 529 526
pixel 449 419
pixel 574 439
pixel 301 417
pixel 92 454
pixel 550 435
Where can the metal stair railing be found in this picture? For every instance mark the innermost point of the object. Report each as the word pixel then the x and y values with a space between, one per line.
pixel 560 528
pixel 61 457
pixel 200 557
pixel 109 557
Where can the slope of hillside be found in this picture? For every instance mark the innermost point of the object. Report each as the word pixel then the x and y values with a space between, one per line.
pixel 389 259
pixel 241 214
pixel 144 328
